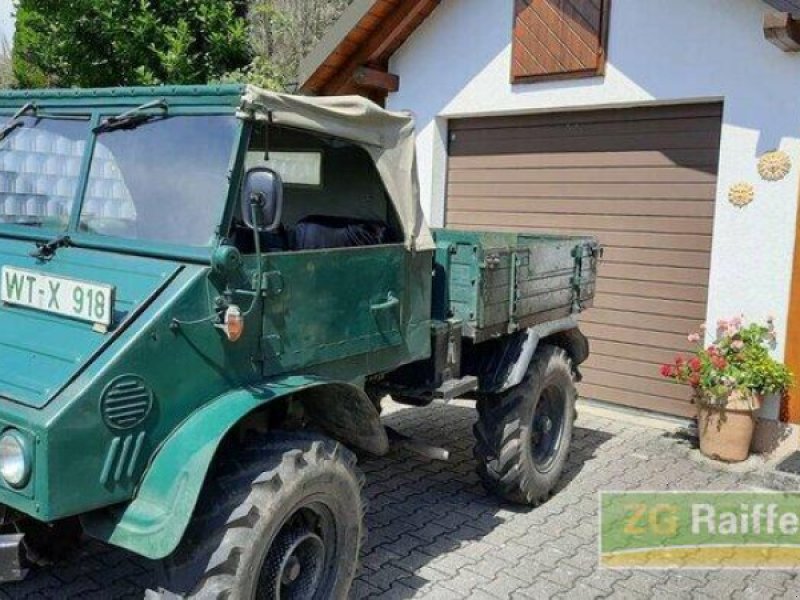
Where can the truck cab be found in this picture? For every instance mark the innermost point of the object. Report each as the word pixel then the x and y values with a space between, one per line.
pixel 184 270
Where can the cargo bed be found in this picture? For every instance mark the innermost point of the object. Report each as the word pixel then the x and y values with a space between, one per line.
pixel 498 283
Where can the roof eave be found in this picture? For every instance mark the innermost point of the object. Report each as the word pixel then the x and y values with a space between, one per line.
pixel 335 35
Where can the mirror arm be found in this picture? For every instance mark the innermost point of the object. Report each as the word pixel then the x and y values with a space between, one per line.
pixel 256 203
pixel 267 128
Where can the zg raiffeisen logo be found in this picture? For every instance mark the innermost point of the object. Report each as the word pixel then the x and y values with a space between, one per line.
pixel 668 530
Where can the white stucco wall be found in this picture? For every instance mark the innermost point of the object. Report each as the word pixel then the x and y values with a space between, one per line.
pixel 458 64
pixel 6 19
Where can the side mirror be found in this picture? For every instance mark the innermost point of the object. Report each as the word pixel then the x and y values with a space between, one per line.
pixel 262 199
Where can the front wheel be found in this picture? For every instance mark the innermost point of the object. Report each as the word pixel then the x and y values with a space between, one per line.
pixel 523 435
pixel 280 519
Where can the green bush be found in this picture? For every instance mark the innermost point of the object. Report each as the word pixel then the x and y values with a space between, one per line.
pixel 98 43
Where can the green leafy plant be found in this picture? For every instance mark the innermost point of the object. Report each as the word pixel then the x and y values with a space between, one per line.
pixel 98 43
pixel 736 368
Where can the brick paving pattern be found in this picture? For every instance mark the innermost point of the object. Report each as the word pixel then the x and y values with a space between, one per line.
pixel 435 534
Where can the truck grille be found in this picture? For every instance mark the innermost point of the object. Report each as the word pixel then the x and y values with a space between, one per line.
pixel 126 402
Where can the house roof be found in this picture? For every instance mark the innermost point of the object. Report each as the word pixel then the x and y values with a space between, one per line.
pixel 790 6
pixel 353 57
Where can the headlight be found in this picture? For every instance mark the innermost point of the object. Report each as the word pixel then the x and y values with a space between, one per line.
pixel 15 464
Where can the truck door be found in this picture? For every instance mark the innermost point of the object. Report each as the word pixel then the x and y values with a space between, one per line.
pixel 337 270
pixel 324 306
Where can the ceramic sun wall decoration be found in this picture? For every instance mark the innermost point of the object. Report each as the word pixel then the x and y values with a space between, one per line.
pixel 741 194
pixel 774 166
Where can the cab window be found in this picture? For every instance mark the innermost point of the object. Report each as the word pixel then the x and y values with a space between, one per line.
pixel 165 180
pixel 333 194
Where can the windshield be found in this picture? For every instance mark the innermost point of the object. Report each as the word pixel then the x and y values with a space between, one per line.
pixel 40 164
pixel 162 180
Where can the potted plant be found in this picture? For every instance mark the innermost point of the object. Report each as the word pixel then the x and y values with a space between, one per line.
pixel 729 380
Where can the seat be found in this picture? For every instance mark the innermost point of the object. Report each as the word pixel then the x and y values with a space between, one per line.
pixel 320 232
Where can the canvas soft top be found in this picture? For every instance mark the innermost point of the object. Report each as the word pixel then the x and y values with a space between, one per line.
pixel 387 136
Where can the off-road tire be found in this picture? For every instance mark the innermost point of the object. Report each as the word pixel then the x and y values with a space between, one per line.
pixel 248 511
pixel 505 434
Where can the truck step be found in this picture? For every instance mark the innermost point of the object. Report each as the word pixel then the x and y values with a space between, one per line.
pixel 427 450
pixel 455 388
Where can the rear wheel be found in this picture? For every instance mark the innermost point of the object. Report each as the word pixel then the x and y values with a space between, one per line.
pixel 523 435
pixel 281 519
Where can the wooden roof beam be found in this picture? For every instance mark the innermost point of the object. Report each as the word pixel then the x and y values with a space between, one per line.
pixel 380 43
pixel 783 30
pixel 375 79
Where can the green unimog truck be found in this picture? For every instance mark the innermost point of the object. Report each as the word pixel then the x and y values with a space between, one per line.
pixel 204 294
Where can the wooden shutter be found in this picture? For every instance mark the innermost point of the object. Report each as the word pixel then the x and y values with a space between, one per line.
pixel 559 39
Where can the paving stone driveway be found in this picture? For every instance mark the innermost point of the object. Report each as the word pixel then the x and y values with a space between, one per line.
pixel 434 533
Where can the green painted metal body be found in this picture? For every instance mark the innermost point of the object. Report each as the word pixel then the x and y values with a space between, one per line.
pixel 153 524
pixel 498 283
pixel 325 318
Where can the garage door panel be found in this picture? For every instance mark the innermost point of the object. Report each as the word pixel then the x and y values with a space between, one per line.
pixel 644 113
pixel 704 160
pixel 664 388
pixel 667 258
pixel 693 311
pixel 611 191
pixel 651 289
pixel 653 354
pixel 623 143
pixel 659 274
pixel 644 182
pixel 649 401
pixel 638 368
pixel 644 321
pixel 615 174
pixel 586 206
pixel 656 129
pixel 597 223
pixel 674 342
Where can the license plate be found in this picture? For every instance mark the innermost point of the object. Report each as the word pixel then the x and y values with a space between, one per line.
pixel 92 302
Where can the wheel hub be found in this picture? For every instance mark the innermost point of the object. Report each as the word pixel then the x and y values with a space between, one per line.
pixel 548 421
pixel 292 570
pixel 295 562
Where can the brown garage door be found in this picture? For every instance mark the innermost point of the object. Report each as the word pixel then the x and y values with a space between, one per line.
pixel 643 180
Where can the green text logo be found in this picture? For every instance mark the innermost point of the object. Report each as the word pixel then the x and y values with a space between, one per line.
pixel 700 529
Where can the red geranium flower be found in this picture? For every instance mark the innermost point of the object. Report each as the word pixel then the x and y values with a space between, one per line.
pixel 695 364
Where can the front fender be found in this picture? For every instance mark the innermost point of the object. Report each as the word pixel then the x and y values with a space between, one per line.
pixel 153 523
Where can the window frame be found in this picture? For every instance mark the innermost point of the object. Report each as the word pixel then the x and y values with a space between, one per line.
pixel 239 171
pixel 96 113
pixel 302 186
pixel 602 59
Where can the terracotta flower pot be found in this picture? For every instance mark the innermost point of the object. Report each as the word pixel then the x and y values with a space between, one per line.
pixel 726 433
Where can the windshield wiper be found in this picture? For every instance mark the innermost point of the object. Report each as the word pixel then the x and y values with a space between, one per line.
pixel 132 118
pixel 47 250
pixel 14 121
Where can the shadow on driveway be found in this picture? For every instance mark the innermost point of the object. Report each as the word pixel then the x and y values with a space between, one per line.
pixel 420 513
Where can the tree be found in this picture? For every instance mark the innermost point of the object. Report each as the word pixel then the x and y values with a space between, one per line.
pixel 97 43
pixel 6 75
pixel 281 33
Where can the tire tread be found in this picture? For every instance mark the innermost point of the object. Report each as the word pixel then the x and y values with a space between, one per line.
pixel 499 439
